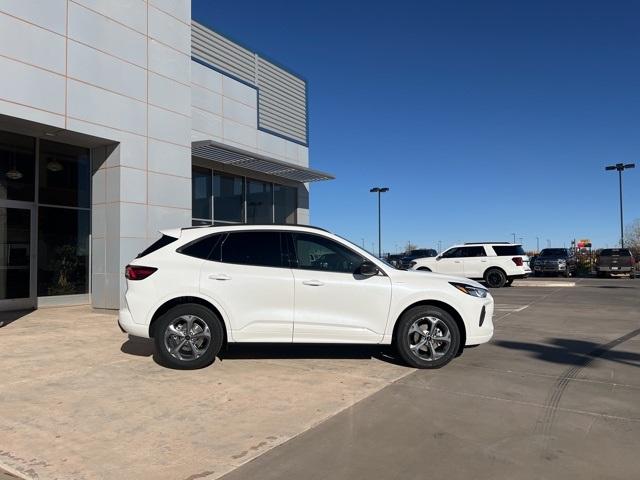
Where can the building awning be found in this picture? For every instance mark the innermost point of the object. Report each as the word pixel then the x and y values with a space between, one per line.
pixel 211 150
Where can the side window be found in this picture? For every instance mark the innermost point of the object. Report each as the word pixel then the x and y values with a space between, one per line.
pixel 477 251
pixel 202 248
pixel 318 253
pixel 452 253
pixel 263 249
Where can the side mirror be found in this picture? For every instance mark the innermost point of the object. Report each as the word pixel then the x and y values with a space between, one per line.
pixel 367 269
pixel 439 257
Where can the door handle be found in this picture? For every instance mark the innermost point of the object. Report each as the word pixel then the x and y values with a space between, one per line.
pixel 313 283
pixel 219 276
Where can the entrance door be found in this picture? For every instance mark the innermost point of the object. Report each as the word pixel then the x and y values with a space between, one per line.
pixel 17 255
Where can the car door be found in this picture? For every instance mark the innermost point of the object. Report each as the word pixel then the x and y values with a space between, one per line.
pixel 450 262
pixel 334 304
pixel 249 276
pixel 474 260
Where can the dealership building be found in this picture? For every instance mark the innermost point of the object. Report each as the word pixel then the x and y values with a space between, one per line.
pixel 122 118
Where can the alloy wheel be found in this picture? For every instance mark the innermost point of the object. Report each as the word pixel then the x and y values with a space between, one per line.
pixel 187 337
pixel 429 338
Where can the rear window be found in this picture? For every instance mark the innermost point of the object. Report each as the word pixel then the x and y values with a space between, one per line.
pixel 508 250
pixel 615 252
pixel 202 248
pixel 163 241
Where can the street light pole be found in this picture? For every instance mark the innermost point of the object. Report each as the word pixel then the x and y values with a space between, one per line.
pixel 379 190
pixel 514 237
pixel 620 167
pixel 537 244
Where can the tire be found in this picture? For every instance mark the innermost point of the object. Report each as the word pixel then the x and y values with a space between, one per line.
pixel 414 329
pixel 567 273
pixel 423 269
pixel 205 335
pixel 495 278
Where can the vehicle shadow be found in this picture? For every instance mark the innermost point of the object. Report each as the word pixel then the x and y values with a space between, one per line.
pixel 9 317
pixel 139 347
pixel 253 351
pixel 144 347
pixel 578 353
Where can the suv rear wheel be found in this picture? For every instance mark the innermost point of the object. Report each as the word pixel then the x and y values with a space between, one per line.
pixel 427 337
pixel 188 336
pixel 495 278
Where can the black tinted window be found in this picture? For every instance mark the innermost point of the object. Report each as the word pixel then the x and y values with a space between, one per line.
pixel 202 248
pixel 452 253
pixel 473 252
pixel 163 241
pixel 319 253
pixel 615 252
pixel 508 250
pixel 253 248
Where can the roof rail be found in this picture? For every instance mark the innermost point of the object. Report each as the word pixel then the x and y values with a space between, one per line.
pixel 486 243
pixel 258 225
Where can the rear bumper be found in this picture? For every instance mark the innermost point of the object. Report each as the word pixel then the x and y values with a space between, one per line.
pixel 127 325
pixel 615 269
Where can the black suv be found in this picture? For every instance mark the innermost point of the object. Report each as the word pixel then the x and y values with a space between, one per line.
pixel 559 261
pixel 411 255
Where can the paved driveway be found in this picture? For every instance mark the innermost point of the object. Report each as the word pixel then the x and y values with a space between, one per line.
pixel 79 401
pixel 555 395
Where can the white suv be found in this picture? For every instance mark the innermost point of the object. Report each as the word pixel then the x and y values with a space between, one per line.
pixel 198 287
pixel 497 263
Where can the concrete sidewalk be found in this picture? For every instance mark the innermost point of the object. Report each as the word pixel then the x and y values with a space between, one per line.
pixel 80 401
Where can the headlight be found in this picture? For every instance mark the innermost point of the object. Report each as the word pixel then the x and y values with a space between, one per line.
pixel 561 261
pixel 412 264
pixel 470 290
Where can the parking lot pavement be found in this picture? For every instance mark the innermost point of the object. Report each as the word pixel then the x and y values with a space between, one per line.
pixel 79 401
pixel 556 394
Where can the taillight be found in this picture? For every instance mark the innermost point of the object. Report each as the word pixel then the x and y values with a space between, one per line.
pixel 518 261
pixel 137 272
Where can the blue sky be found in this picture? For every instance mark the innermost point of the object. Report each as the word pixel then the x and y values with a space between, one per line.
pixel 483 118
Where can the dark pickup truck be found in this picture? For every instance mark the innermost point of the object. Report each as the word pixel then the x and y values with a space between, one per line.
pixel 616 261
pixel 405 262
pixel 558 261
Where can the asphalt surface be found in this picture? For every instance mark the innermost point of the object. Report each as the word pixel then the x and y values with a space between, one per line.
pixel 556 394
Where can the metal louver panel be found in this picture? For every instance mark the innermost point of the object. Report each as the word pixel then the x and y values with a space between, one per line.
pixel 210 150
pixel 282 96
pixel 282 102
pixel 213 48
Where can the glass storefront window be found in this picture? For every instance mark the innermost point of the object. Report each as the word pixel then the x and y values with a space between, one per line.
pixel 63 251
pixel 259 202
pixel 15 261
pixel 228 198
pixel 17 167
pixel 285 204
pixel 65 175
pixel 201 193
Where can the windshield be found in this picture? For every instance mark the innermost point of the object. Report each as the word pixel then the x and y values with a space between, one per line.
pixel 553 252
pixel 372 254
pixel 615 252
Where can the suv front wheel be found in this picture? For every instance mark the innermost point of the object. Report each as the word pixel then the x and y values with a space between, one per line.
pixel 188 336
pixel 427 337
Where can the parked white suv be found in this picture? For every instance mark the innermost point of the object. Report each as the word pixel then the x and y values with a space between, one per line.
pixel 196 288
pixel 497 263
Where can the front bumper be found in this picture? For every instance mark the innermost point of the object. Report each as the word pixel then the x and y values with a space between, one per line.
pixel 481 328
pixel 127 325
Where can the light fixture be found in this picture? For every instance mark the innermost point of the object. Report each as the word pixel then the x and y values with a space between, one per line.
pixel 14 174
pixel 54 166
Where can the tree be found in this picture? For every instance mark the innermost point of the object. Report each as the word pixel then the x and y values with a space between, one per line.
pixel 410 246
pixel 632 237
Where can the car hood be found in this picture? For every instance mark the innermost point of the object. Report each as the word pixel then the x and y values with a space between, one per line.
pixel 420 277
